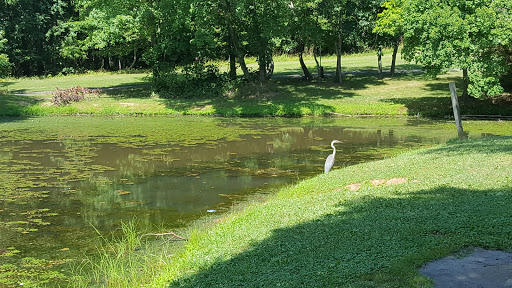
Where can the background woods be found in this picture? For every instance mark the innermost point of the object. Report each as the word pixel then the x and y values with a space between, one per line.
pixel 174 36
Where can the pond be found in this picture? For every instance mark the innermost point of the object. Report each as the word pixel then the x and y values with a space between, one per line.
pixel 63 178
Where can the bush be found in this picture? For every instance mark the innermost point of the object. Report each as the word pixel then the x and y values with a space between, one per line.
pixel 73 94
pixel 196 80
pixel 5 66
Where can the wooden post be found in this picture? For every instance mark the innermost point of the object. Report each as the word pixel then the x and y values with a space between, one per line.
pixel 456 111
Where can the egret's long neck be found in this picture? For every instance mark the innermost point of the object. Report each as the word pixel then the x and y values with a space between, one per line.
pixel 333 149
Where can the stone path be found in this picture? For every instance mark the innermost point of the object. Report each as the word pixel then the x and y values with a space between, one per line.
pixel 480 269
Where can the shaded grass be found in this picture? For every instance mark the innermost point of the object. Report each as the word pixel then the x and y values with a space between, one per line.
pixel 413 94
pixel 289 64
pixel 407 94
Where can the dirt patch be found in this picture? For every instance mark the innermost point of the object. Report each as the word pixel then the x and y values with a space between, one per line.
pixel 395 181
pixel 377 182
pixel 482 269
pixel 127 104
pixel 392 181
pixel 354 187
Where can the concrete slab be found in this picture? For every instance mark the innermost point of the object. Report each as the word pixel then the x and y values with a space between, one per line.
pixel 480 269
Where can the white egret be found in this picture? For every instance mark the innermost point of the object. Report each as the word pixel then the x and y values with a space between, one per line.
pixel 329 162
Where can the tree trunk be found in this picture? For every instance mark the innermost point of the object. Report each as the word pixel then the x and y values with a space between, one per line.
pixel 232 64
pixel 379 59
pixel 318 67
pixel 261 42
pixel 338 60
pixel 393 60
pixel 241 61
pixel 234 41
pixel 269 71
pixel 339 31
pixel 307 75
pixel 465 79
pixel 262 66
pixel 134 58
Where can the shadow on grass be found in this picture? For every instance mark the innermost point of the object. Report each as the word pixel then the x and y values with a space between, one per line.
pixel 296 72
pixel 5 84
pixel 371 242
pixel 279 97
pixel 490 145
pixel 15 105
pixel 128 91
pixel 443 87
pixel 441 106
pixel 114 89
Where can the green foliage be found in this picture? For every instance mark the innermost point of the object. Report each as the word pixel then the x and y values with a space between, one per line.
pixel 390 20
pixel 5 65
pixel 30 48
pixel 472 35
pixel 107 30
pixel 197 80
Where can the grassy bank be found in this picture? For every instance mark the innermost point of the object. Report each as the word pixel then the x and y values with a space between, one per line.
pixel 369 225
pixel 361 93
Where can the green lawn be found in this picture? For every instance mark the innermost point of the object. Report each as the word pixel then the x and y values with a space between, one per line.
pixel 93 80
pixel 368 225
pixel 360 94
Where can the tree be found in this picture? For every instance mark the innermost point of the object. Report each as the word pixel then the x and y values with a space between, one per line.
pixel 390 22
pixel 5 65
pixel 108 29
pixel 471 35
pixel 246 27
pixel 218 32
pixel 264 22
pixel 334 12
pixel 305 29
pixel 349 23
pixel 26 23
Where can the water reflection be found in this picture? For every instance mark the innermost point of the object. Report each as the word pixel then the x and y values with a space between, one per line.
pixel 58 183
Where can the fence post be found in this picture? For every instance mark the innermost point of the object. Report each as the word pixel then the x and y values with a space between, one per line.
pixel 456 111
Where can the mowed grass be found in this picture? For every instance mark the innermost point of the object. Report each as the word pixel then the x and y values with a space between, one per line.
pixel 368 225
pixel 91 80
pixel 361 93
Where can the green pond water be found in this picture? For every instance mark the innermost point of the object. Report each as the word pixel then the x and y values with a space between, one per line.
pixel 61 178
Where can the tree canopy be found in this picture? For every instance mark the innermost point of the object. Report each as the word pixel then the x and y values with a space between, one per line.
pixel 5 65
pixel 471 35
pixel 61 36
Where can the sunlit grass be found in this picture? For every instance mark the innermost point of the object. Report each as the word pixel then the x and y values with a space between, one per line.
pixel 121 258
pixel 360 93
pixel 289 64
pixel 91 80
